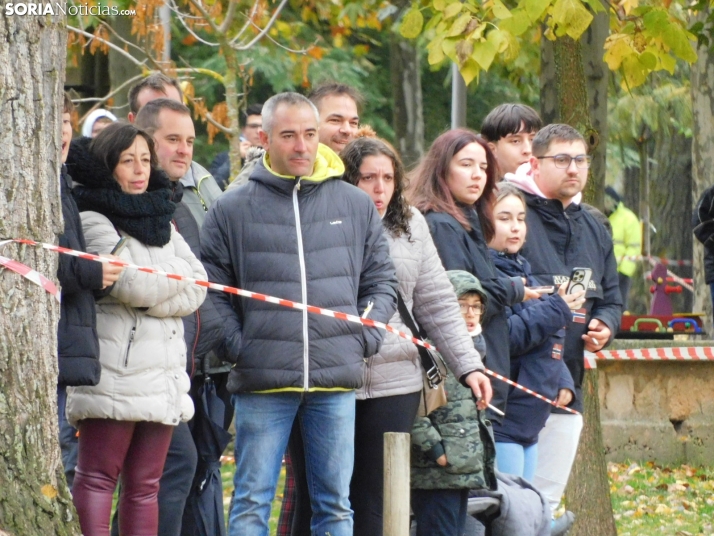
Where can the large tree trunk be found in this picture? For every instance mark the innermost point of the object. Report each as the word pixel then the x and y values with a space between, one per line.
pixel 588 491
pixel 408 118
pixel 702 158
pixel 34 499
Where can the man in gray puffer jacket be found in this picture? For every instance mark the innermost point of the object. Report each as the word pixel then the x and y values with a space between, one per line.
pixel 297 232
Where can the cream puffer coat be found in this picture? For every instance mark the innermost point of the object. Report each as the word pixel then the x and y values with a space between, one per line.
pixel 429 295
pixel 141 345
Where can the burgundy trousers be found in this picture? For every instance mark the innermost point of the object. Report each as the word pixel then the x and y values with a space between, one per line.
pixel 107 449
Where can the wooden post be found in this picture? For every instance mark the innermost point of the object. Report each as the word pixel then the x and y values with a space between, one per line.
pixel 396 484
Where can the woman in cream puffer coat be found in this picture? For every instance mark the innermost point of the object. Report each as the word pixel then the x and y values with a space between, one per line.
pixel 127 420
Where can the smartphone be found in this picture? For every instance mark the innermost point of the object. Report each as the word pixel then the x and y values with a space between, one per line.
pixel 543 290
pixel 120 245
pixel 579 280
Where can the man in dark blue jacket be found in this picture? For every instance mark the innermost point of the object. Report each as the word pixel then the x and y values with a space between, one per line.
pixel 78 345
pixel 296 231
pixel 562 236
pixel 169 122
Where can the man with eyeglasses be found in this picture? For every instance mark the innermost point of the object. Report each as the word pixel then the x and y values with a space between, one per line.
pixel 562 235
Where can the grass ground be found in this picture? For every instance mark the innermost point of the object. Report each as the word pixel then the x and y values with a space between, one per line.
pixel 647 499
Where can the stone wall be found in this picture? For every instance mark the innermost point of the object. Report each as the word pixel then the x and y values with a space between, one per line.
pixel 657 410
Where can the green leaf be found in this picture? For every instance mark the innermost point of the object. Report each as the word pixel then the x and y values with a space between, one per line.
pixel 536 8
pixel 648 60
pixel 668 62
pixel 499 38
pixel 518 24
pixel 656 21
pixel 439 5
pixel 469 70
pixel 436 19
pixel 500 10
pixel 595 5
pixel 459 25
pixel 633 71
pixel 571 17
pixel 412 24
pixel 484 53
pixel 452 10
pixel 676 39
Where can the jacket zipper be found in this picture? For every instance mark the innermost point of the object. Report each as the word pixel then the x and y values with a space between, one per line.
pixel 303 284
pixel 128 348
pixel 195 343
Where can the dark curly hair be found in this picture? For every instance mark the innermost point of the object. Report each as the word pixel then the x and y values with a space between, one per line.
pixel 396 218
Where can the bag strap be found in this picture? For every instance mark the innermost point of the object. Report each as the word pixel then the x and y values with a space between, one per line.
pixel 431 367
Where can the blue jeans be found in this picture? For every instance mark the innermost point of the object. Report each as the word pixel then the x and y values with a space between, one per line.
pixel 67 437
pixel 263 423
pixel 515 459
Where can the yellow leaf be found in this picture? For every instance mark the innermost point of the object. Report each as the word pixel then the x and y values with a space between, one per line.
pixel 535 8
pixel 484 53
pixel 463 51
pixel 633 71
pixel 500 10
pixel 449 48
pixel 459 25
pixel 436 53
pixel 477 33
pixel 439 5
pixel 617 47
pixel 412 24
pixel 518 24
pixel 469 70
pixel 572 17
pixel 452 10
pixel 49 491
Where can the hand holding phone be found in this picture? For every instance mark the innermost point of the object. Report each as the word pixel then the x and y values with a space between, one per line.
pixel 579 280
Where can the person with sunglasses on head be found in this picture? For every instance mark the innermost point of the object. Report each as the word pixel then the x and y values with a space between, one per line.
pixel 562 236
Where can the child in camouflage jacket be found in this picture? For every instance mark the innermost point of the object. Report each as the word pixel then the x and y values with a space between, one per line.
pixel 452 449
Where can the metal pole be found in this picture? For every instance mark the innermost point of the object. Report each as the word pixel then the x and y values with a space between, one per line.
pixel 396 484
pixel 165 17
pixel 458 98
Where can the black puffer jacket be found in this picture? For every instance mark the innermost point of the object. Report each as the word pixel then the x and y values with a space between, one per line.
pixel 703 227
pixel 78 345
pixel 203 330
pixel 460 249
pixel 316 240
pixel 558 241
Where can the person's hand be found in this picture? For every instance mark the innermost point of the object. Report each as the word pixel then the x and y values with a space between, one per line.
pixel 441 460
pixel 575 300
pixel 480 387
pixel 565 396
pixel 244 147
pixel 110 272
pixel 530 294
pixel 597 336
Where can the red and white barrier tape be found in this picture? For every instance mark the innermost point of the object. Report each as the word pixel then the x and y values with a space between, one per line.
pixel 270 299
pixel 661 260
pixel 682 353
pixel 681 281
pixel 28 273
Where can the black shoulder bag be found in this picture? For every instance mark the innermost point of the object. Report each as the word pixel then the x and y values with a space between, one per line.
pixel 429 360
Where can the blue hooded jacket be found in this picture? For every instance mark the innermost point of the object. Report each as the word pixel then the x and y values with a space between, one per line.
pixel 536 333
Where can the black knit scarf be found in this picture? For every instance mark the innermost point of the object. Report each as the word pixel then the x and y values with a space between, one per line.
pixel 146 217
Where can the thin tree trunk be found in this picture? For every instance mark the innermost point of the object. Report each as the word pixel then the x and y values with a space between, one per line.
pixel 702 158
pixel 588 491
pixel 408 119
pixel 34 499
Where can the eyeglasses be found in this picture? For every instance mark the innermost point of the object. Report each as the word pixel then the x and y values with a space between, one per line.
pixel 475 309
pixel 562 161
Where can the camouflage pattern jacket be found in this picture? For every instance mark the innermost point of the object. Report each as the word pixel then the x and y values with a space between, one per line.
pixel 463 434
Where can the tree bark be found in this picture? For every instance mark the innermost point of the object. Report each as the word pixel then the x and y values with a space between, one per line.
pixel 588 491
pixel 408 118
pixel 34 498
pixel 702 158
